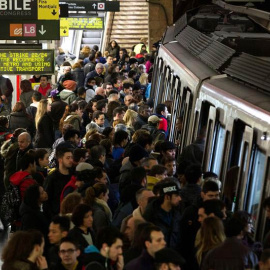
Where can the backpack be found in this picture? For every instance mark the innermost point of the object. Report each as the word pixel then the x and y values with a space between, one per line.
pixel 11 201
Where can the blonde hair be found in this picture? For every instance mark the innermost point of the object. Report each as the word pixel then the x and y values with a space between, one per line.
pixel 143 79
pixel 210 236
pixel 41 110
pixel 130 117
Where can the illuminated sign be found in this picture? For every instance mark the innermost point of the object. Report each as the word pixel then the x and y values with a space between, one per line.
pixel 80 5
pixel 26 61
pixel 85 23
pixel 30 30
pixel 48 9
pixel 64 28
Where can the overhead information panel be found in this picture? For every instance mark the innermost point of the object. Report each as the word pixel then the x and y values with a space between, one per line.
pixel 80 5
pixel 95 23
pixel 18 9
pixel 48 9
pixel 18 61
pixel 30 30
pixel 64 28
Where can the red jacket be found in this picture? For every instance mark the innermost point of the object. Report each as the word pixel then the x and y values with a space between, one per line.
pixel 24 179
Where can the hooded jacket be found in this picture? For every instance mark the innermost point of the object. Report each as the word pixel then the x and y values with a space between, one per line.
pixel 67 96
pixel 23 179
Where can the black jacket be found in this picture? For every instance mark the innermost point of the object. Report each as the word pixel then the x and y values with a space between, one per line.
pixel 57 110
pixel 21 120
pixel 155 214
pixel 78 75
pixel 45 132
pixel 140 121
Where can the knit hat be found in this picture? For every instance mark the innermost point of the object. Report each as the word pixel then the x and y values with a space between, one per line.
pixel 167 145
pixel 154 119
pixel 168 255
pixel 70 85
pixel 137 153
pixel 84 166
pixel 169 187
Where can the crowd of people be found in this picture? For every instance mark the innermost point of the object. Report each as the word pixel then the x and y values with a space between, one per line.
pixel 100 184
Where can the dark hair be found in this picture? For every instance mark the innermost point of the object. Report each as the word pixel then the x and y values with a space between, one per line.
pixel 79 153
pixel 21 245
pixel 210 186
pixel 137 175
pixel 40 154
pixel 63 222
pixel 60 152
pixel 160 108
pixel 71 134
pixel 97 151
pixel 132 73
pixel 25 86
pixel 31 196
pixel 26 160
pixel 101 104
pixel 3 121
pixel 79 212
pixel 94 192
pixel 119 136
pixel 209 175
pixel 146 234
pixel 111 106
pixel 107 144
pixel 90 144
pixel 107 131
pixel 81 90
pixel 266 202
pixel 96 114
pixel 157 169
pixel 193 173
pixel 37 96
pixel 233 227
pixel 213 206
pixel 167 159
pixel 127 85
pixel 144 139
pixel 108 235
pixel 117 110
pixel 244 216
pixel 45 76
pixel 142 108
pixel 69 240
pixel 98 172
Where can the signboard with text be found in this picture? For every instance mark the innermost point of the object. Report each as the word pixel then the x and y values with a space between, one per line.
pixel 80 5
pixel 95 23
pixel 30 30
pixel 18 61
pixel 29 9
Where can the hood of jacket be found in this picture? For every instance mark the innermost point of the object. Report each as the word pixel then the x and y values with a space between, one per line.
pixel 17 177
pixel 65 94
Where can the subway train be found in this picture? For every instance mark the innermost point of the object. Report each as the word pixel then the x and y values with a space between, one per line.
pixel 214 66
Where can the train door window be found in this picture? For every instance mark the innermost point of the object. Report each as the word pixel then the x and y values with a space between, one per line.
pixel 175 108
pixel 217 149
pixel 157 80
pixel 185 113
pixel 167 84
pixel 256 184
pixel 163 83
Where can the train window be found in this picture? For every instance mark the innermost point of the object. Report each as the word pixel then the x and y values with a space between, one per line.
pixel 256 184
pixel 159 75
pixel 217 149
pixel 164 83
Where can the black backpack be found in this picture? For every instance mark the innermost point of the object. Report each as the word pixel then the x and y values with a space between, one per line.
pixel 11 201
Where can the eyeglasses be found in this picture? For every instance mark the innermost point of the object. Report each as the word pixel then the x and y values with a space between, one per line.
pixel 68 251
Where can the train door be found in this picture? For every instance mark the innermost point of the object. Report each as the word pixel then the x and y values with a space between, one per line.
pixel 155 89
pixel 257 185
pixel 238 165
pixel 216 155
pixel 167 85
pixel 165 79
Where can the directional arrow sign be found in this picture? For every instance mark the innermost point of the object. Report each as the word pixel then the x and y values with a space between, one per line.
pixel 64 28
pixel 94 5
pixel 42 31
pixel 30 30
pixel 48 9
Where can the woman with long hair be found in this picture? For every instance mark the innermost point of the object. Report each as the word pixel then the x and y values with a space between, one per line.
pixel 82 218
pixel 20 119
pixel 113 50
pixel 97 197
pixel 209 236
pixel 130 118
pixel 31 210
pixel 44 126
pixel 24 251
pixel 26 92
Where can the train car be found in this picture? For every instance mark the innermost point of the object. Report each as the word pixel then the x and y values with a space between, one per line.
pixel 226 92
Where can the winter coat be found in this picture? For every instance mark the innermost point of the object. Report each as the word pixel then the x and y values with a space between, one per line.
pixel 78 75
pixel 143 262
pixel 67 96
pixel 45 132
pixel 20 265
pixel 73 119
pixel 155 214
pixel 33 219
pixel 140 121
pixel 57 110
pixel 21 120
pixel 22 179
pixel 26 98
